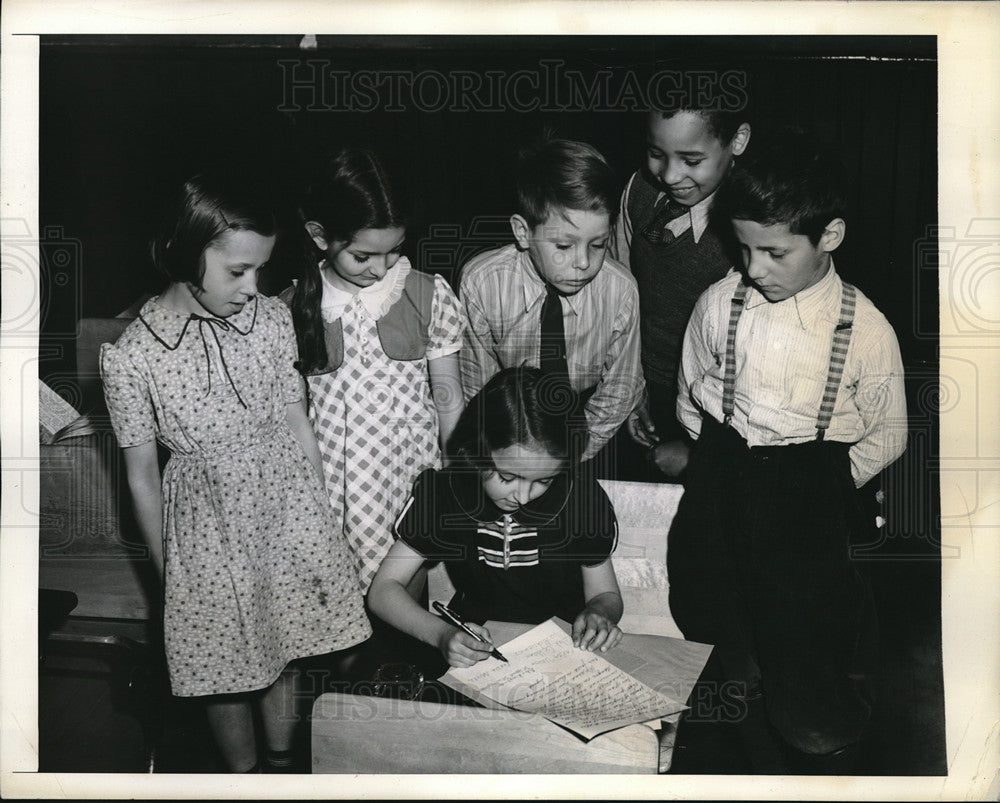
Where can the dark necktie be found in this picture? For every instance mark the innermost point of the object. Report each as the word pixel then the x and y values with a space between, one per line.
pixel 556 393
pixel 552 349
pixel 667 209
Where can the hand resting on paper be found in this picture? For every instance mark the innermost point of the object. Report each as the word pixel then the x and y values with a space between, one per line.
pixel 596 626
pixel 592 631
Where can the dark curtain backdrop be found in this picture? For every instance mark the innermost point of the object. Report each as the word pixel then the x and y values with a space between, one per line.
pixel 124 119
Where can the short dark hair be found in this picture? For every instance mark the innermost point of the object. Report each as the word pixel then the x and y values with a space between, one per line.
pixel 564 174
pixel 517 406
pixel 790 179
pixel 722 124
pixel 722 101
pixel 206 207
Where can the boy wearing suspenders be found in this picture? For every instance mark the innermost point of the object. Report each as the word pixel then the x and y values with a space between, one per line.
pixel 791 383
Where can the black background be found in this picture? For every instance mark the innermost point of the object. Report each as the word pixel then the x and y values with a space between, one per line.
pixel 124 119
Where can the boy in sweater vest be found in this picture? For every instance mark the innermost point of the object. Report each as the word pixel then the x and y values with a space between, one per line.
pixel 665 238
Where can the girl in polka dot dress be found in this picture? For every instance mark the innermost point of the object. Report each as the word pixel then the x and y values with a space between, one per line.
pixel 378 344
pixel 256 573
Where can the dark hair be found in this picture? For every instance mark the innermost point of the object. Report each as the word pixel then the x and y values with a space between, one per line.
pixel 350 192
pixel 562 173
pixel 788 179
pixel 517 406
pixel 207 206
pixel 717 93
pixel 722 124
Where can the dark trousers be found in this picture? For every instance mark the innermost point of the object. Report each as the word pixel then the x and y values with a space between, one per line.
pixel 663 410
pixel 760 566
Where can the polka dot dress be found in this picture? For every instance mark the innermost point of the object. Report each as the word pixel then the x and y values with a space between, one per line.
pixel 257 570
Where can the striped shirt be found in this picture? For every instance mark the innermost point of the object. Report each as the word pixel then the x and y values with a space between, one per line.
pixel 782 356
pixel 503 297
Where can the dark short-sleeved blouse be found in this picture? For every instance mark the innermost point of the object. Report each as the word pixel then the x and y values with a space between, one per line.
pixel 517 567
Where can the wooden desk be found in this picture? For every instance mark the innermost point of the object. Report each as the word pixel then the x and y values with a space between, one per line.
pixel 352 734
pixel 355 734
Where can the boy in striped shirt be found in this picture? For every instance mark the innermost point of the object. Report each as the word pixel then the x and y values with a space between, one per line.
pixel 567 200
pixel 791 383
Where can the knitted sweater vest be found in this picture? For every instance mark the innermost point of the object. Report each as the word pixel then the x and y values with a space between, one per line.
pixel 671 276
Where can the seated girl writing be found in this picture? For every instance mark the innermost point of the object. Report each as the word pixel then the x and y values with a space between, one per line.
pixel 522 536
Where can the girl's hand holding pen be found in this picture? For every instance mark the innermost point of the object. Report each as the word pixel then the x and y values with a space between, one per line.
pixel 461 649
pixel 469 649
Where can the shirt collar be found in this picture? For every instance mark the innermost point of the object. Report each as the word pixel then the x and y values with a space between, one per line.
pixel 467 490
pixel 821 302
pixel 695 219
pixel 169 325
pixel 376 298
pixel 535 288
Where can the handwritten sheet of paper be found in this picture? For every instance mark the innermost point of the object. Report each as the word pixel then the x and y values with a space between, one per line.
pixel 577 689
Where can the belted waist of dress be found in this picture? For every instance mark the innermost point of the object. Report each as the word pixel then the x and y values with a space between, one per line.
pixel 264 440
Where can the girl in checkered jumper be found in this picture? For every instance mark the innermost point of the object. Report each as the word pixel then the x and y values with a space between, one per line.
pixel 239 521
pixel 378 346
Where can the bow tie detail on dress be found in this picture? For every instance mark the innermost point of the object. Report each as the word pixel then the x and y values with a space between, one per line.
pixel 212 324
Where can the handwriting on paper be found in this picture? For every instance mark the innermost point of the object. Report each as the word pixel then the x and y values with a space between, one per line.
pixel 577 689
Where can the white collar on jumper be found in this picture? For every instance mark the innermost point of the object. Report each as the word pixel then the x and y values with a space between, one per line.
pixel 374 299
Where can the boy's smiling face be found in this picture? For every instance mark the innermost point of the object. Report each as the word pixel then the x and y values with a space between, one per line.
pixel 567 249
pixel 780 263
pixel 686 158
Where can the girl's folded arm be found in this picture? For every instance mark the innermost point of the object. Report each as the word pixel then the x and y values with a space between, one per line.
pixel 143 471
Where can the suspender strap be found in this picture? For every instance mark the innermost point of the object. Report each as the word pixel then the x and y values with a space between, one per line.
pixel 838 354
pixel 729 381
